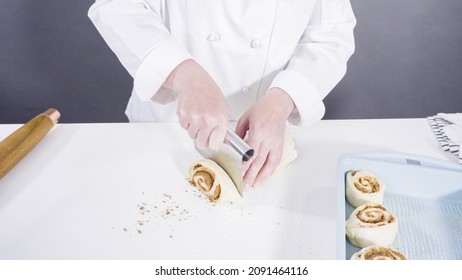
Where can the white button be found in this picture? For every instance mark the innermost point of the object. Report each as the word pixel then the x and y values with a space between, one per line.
pixel 245 90
pixel 213 37
pixel 255 44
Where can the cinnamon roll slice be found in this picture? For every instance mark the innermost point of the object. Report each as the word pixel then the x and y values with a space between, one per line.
pixel 213 181
pixel 371 225
pixel 363 187
pixel 378 253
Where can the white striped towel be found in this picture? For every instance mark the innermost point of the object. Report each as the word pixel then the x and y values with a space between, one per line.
pixel 448 131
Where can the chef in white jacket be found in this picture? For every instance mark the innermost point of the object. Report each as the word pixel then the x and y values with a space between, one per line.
pixel 262 63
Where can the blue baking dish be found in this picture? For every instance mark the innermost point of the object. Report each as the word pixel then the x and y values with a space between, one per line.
pixel 424 193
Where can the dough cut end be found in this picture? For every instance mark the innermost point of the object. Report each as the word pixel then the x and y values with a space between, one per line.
pixel 216 184
pixel 213 181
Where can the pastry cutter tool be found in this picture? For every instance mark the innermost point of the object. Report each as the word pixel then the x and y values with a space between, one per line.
pixel 18 144
pixel 232 154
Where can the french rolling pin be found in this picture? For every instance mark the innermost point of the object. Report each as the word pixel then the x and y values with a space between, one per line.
pixel 18 144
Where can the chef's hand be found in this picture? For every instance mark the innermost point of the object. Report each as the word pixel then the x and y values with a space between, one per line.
pixel 202 108
pixel 265 123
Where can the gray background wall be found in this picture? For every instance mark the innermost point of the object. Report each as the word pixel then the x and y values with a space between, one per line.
pixel 408 62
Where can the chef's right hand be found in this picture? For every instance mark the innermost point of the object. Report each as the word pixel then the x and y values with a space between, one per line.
pixel 202 108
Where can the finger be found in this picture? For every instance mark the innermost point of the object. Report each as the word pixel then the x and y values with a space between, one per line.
pixel 193 130
pixel 242 126
pixel 217 137
pixel 254 169
pixel 202 139
pixel 184 125
pixel 183 122
pixel 270 165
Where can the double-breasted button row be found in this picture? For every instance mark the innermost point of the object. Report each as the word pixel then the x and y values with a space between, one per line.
pixel 215 37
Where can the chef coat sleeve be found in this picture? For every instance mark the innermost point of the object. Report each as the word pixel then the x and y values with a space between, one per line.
pixel 136 33
pixel 319 60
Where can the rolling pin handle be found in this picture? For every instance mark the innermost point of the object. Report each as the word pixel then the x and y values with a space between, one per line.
pixel 18 144
pixel 53 114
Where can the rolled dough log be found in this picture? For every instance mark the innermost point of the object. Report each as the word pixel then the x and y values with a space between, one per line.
pixel 216 184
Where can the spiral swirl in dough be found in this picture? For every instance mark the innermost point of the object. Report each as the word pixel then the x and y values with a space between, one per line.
pixel 378 253
pixel 213 181
pixel 363 187
pixel 371 225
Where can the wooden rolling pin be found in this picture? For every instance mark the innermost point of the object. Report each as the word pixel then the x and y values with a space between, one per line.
pixel 18 144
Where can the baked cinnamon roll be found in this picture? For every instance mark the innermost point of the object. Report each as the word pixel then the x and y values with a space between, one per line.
pixel 363 187
pixel 378 253
pixel 371 225
pixel 213 181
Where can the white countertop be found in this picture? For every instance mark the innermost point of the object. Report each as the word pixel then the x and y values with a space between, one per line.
pixel 80 194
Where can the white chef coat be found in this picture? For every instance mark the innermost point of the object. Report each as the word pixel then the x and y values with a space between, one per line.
pixel 247 47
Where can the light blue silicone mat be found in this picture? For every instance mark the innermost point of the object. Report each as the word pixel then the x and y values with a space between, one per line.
pixel 424 193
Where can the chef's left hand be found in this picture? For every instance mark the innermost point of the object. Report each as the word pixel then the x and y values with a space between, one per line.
pixel 265 124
